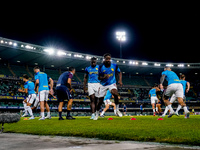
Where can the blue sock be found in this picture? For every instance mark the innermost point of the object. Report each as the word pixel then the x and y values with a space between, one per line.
pixel 60 114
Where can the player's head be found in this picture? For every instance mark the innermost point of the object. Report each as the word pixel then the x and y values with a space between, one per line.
pixel 25 77
pixel 93 61
pixel 167 68
pixel 36 69
pixel 107 59
pixel 72 70
pixel 155 85
pixel 182 77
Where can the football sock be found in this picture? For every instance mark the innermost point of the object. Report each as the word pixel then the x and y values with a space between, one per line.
pixel 115 111
pixel 60 114
pixel 48 113
pixel 185 109
pixel 154 110
pixel 42 114
pixel 68 112
pixel 117 106
pixel 102 113
pixel 28 108
pixel 166 110
pixel 97 113
pixel 179 107
pixel 170 108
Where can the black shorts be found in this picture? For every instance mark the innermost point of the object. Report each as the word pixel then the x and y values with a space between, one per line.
pixel 63 94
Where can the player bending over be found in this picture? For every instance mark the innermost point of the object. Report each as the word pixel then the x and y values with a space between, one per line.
pixel 108 103
pixel 107 79
pixel 174 87
pixel 63 88
pixel 153 96
pixel 28 88
pixel 91 72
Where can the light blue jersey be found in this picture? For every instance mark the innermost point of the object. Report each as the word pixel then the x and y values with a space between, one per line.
pixel 43 81
pixel 30 86
pixel 152 92
pixel 92 73
pixel 183 82
pixel 111 71
pixel 108 96
pixel 171 77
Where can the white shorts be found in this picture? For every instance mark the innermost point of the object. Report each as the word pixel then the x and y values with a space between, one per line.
pixel 37 102
pixel 43 95
pixel 93 88
pixel 154 99
pixel 173 98
pixel 107 102
pixel 175 88
pixel 31 98
pixel 103 89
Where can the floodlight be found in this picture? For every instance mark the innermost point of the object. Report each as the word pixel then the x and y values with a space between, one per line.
pixel 14 44
pixel 10 43
pixel 156 64
pixel 144 63
pixel 2 41
pixel 61 53
pixel 49 50
pixel 181 65
pixel 169 65
pixel 88 57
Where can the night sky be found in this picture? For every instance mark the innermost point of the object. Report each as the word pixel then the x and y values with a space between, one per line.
pixel 155 32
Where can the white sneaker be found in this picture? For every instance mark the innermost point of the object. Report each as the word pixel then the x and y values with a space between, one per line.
pixel 31 118
pixel 187 115
pixel 25 115
pixel 101 115
pixel 48 117
pixel 96 117
pixel 92 117
pixel 163 115
pixel 176 114
pixel 42 118
pixel 119 113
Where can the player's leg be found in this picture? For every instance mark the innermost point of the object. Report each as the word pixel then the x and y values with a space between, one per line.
pixel 182 103
pixel 30 100
pixel 60 110
pixel 92 105
pixel 41 99
pixel 47 106
pixel 114 107
pixel 153 107
pixel 25 110
pixel 104 110
pixel 69 106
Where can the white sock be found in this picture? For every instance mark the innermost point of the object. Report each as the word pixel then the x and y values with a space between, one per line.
pixel 170 108
pixel 156 108
pixel 26 112
pixel 48 113
pixel 29 110
pixel 97 113
pixel 185 109
pixel 102 113
pixel 178 108
pixel 166 110
pixel 117 106
pixel 93 114
pixel 42 114
pixel 115 111
pixel 153 110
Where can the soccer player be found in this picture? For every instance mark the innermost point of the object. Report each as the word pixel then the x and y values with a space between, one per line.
pixel 41 86
pixel 125 110
pixel 141 109
pixel 107 79
pixel 174 87
pixel 93 84
pixel 63 88
pixel 28 88
pixel 153 97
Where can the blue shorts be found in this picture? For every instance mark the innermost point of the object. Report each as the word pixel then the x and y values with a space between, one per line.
pixel 63 93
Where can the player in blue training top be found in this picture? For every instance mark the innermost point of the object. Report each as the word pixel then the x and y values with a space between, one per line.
pixel 174 87
pixel 91 76
pixel 63 88
pixel 107 79
pixel 153 97
pixel 28 88
pixel 42 88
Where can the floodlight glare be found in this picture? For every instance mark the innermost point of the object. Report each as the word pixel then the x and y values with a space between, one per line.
pixel 49 50
pixel 61 53
pixel 121 37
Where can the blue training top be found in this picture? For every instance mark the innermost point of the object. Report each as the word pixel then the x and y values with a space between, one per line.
pixel 30 86
pixel 171 77
pixel 43 81
pixel 152 92
pixel 62 80
pixel 183 82
pixel 108 95
pixel 92 73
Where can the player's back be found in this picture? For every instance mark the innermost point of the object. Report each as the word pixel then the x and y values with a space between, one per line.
pixel 30 86
pixel 152 92
pixel 183 82
pixel 62 80
pixel 171 77
pixel 43 81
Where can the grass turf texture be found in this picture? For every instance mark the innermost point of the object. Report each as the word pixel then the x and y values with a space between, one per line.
pixel 146 128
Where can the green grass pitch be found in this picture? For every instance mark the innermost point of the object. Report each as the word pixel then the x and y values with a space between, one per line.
pixel 146 128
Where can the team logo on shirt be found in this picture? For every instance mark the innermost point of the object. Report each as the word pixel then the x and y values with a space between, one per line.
pixel 112 69
pixel 96 68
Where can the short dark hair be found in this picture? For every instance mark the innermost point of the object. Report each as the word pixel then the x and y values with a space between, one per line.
pixel 71 68
pixel 107 54
pixel 25 76
pixel 93 58
pixel 36 67
pixel 182 76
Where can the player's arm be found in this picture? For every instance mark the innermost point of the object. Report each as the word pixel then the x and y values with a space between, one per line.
pixel 51 86
pixel 69 81
pixel 85 82
pixel 161 81
pixel 23 91
pixel 188 87
pixel 36 84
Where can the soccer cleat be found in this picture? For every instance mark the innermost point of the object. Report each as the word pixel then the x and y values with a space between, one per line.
pixel 42 118
pixel 25 115
pixel 92 117
pixel 163 115
pixel 48 117
pixel 102 116
pixel 176 114
pixel 96 117
pixel 187 116
pixel 119 113
pixel 171 114
pixel 61 118
pixel 70 118
pixel 154 114
pixel 31 118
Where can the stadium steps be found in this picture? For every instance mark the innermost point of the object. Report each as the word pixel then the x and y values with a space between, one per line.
pixel 11 70
pixel 146 82
pixel 27 69
pixel 78 78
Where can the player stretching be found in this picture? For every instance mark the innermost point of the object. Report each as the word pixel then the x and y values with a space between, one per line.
pixel 107 103
pixel 93 84
pixel 63 88
pixel 28 88
pixel 41 80
pixel 174 87
pixel 107 79
pixel 153 96
pixel 173 98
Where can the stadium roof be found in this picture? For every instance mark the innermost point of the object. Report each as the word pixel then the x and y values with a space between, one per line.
pixel 21 53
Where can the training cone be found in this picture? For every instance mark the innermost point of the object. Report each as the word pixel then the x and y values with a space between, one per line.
pixel 160 119
pixel 133 118
pixel 110 118
pixel 25 118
